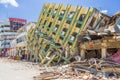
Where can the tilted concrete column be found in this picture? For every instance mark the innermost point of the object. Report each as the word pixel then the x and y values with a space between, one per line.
pixel 103 51
pixel 82 53
pixel 30 55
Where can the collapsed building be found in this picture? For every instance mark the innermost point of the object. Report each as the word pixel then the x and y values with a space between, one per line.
pixel 103 43
pixel 63 32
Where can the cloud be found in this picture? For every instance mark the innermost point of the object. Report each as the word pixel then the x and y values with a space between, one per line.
pixel 11 2
pixel 104 11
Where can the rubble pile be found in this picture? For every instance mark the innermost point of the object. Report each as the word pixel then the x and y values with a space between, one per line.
pixel 97 66
pixel 61 72
pixel 92 69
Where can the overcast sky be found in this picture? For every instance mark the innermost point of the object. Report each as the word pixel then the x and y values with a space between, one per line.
pixel 30 9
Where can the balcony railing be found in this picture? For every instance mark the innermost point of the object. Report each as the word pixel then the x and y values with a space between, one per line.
pixel 8 33
pixel 7 37
pixel 5 28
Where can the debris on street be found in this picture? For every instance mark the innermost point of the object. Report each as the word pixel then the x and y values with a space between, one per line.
pixel 83 70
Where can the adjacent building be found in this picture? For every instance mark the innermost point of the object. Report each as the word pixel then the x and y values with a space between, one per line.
pixel 6 35
pixel 8 32
pixel 16 23
pixel 20 42
pixel 22 38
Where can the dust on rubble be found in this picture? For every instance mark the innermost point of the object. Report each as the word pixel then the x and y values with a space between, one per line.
pixel 82 70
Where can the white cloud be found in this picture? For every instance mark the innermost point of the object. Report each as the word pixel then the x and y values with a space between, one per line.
pixel 11 2
pixel 104 11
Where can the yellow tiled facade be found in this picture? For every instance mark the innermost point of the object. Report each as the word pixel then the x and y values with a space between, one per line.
pixel 63 25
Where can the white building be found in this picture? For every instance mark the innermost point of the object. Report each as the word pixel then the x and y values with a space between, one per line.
pixel 6 35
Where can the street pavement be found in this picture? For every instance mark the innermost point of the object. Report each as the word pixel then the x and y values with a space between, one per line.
pixel 17 70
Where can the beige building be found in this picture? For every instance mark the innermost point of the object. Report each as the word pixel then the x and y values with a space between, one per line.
pixel 20 43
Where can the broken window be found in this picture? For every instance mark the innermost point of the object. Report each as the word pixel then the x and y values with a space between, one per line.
pixel 42 26
pixel 45 22
pixel 41 31
pixel 78 25
pixel 40 21
pixel 64 31
pixel 60 18
pixel 53 16
pixel 62 13
pixel 50 24
pixel 61 37
pixel 54 33
pixel 92 22
pixel 73 36
pixel 47 29
pixel 36 45
pixel 70 15
pixel 48 13
pixel 47 47
pixel 68 21
pixel 54 12
pixel 55 29
pixel 82 17
pixel 69 43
